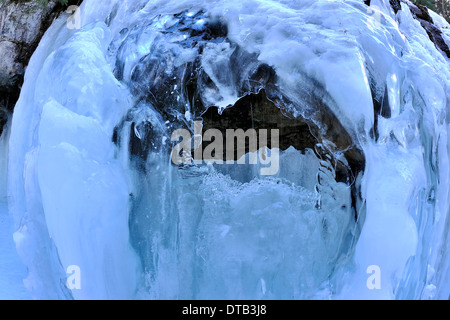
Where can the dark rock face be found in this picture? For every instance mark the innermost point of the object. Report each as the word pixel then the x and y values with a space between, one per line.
pixel 257 111
pixel 22 25
pixel 396 5
pixel 3 120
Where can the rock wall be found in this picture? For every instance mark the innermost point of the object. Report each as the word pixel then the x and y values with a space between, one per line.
pixel 22 25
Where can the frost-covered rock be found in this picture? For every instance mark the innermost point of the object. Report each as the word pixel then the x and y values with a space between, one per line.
pixel 22 24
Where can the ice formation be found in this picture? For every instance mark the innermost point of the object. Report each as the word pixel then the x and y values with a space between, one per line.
pixel 361 92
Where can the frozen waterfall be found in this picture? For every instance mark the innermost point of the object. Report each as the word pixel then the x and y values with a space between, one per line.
pixel 361 98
